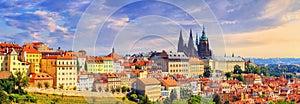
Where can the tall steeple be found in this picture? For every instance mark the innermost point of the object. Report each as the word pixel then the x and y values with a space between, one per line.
pixel 180 47
pixel 197 41
pixel 191 46
pixel 203 37
pixel 203 46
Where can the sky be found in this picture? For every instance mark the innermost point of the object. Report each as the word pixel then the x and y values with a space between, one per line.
pixel 248 28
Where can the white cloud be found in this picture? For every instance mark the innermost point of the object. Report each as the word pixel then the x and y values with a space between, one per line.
pixel 50 20
pixel 36 36
pixel 223 22
pixel 276 8
pixel 116 24
pixel 291 16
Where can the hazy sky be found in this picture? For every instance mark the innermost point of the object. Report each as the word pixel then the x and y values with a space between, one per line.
pixel 249 28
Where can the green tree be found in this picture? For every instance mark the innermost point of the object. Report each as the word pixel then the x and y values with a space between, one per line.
pixel 217 99
pixel 124 89
pixel 20 81
pixel 184 94
pixel 4 97
pixel 207 71
pixel 133 97
pixel 138 67
pixel 167 100
pixel 78 67
pixel 173 95
pixel 144 99
pixel 85 66
pixel 7 85
pixel 46 84
pixel 179 102
pixel 257 70
pixel 240 78
pixel 237 69
pixel 228 75
pixel 195 99
pixel 264 71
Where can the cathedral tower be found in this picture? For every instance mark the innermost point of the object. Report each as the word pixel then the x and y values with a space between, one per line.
pixel 203 46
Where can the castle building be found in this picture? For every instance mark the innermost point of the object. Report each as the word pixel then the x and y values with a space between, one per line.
pixel 202 50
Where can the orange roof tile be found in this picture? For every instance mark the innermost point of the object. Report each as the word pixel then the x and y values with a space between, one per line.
pixel 5 74
pixel 106 58
pixel 29 49
pixel 170 82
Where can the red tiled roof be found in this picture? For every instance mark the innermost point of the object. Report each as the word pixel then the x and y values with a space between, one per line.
pixel 169 82
pixel 29 49
pixel 37 43
pixel 5 74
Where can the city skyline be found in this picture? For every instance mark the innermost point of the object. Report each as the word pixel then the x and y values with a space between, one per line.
pixel 249 28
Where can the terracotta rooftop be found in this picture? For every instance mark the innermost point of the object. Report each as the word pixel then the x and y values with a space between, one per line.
pixel 5 74
pixel 149 81
pixel 195 61
pixel 40 76
pixel 114 56
pixel 169 82
pixel 29 49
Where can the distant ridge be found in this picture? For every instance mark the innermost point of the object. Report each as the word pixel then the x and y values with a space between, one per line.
pixel 285 61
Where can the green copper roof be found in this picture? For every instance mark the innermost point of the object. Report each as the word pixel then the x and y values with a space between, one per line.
pixel 203 37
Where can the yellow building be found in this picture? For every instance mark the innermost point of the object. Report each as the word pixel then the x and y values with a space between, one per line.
pixel 40 78
pixel 148 86
pixel 31 55
pixel 3 63
pixel 178 63
pixel 108 64
pixel 13 64
pixel 196 67
pixel 63 69
pixel 113 81
pixel 94 65
pixel 225 64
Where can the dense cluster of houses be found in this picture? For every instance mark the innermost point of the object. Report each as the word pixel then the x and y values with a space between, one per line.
pixel 155 74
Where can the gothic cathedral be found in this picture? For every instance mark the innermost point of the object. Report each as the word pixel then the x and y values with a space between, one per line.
pixel 203 51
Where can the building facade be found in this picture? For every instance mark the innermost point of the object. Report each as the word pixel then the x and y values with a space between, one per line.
pixel 178 63
pixel 150 87
pixel 196 67
pixel 63 69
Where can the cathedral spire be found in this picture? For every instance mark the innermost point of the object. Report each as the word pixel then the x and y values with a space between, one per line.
pixel 203 37
pixel 191 46
pixel 180 47
pixel 191 33
pixel 197 41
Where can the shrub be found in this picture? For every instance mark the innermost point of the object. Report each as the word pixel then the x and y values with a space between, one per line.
pixel 33 100
pixel 55 100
